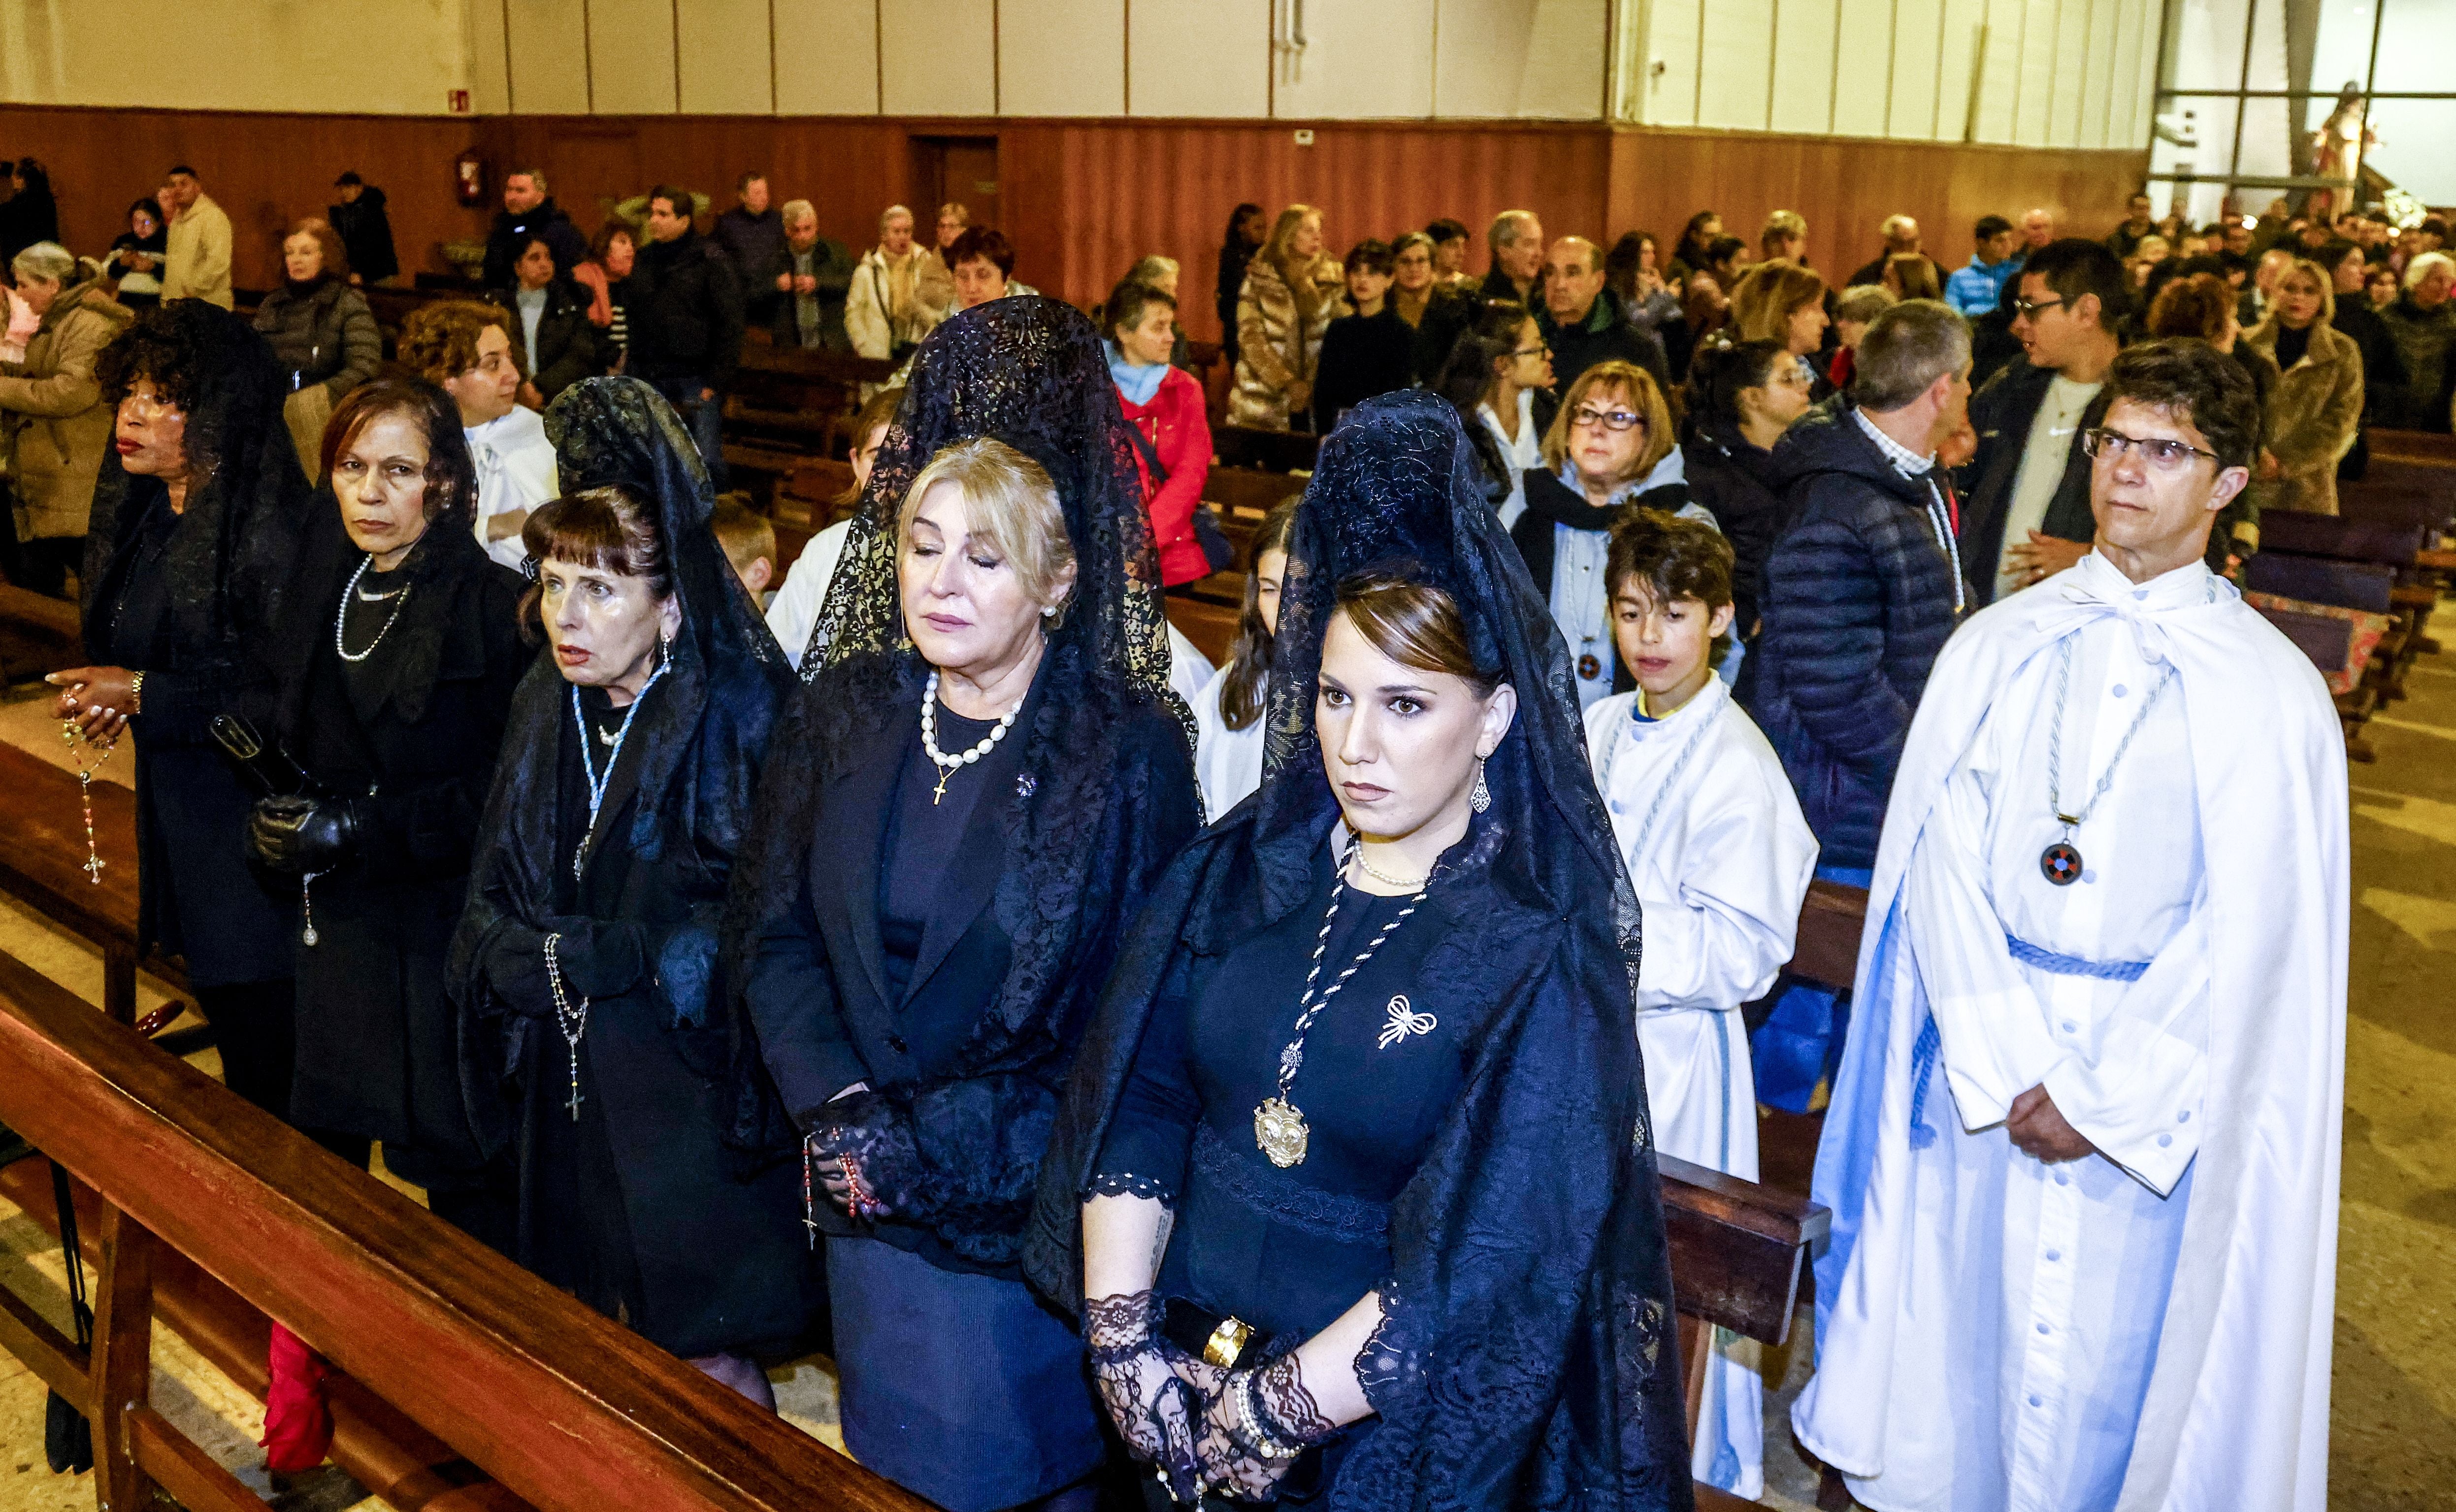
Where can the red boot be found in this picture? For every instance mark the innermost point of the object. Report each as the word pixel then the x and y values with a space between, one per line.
pixel 297 1419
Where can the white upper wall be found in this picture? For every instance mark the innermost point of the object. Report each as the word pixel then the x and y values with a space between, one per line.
pixel 2025 72
pixel 2036 73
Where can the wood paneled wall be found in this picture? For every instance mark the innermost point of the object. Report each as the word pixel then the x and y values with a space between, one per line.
pixel 1082 199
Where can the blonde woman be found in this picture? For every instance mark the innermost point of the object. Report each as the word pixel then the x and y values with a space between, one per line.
pixel 1292 292
pixel 2315 409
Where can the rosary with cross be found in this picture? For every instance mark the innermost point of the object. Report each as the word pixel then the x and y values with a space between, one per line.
pixel 70 733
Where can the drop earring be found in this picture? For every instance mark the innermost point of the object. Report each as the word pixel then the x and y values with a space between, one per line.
pixel 1481 798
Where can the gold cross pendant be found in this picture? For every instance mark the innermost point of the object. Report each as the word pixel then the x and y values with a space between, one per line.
pixel 940 791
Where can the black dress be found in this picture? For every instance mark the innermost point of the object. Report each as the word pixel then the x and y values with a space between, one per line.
pixel 409 735
pixel 1362 355
pixel 1289 1250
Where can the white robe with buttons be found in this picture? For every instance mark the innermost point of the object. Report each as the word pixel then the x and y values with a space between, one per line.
pixel 1719 886
pixel 2147 1327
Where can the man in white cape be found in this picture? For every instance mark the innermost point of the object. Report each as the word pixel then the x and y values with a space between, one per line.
pixel 2083 1151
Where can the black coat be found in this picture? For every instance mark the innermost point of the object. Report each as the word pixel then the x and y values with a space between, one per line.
pixel 1362 355
pixel 413 744
pixel 323 333
pixel 569 347
pixel 833 265
pixel 365 229
pixel 511 233
pixel 684 307
pixel 1019 945
pixel 210 582
pixel 1858 598
pixel 2001 413
pixel 750 243
pixel 1735 482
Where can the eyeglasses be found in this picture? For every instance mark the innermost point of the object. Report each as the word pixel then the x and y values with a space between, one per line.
pixel 1539 349
pixel 2165 456
pixel 2032 309
pixel 1608 419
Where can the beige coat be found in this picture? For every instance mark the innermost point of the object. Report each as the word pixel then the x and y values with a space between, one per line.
pixel 2313 414
pixel 53 423
pixel 197 260
pixel 1272 353
pixel 871 319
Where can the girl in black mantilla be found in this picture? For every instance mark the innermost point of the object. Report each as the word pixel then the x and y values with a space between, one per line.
pixel 197 519
pixel 395 654
pixel 984 779
pixel 603 1048
pixel 1353 1178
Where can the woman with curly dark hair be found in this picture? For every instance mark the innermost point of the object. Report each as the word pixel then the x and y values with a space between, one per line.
pixel 195 523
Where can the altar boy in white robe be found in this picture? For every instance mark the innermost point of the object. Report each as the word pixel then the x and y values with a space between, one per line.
pixel 2083 1152
pixel 1721 857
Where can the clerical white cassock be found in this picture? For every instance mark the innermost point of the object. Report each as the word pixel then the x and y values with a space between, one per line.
pixel 1721 859
pixel 2147 1327
pixel 516 471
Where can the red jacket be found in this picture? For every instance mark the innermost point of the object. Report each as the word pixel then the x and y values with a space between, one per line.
pixel 1173 425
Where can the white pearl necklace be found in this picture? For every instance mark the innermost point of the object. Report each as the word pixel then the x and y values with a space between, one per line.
pixel 947 766
pixel 343 612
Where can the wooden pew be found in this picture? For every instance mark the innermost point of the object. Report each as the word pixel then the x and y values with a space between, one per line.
pixel 564 1408
pixel 42 865
pixel 38 634
pixel 1268 451
pixel 2421 446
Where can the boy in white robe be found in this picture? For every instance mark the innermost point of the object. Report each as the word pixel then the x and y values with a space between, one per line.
pixel 2083 1152
pixel 1721 858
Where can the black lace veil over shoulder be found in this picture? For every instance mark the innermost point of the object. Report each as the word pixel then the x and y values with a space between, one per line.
pixel 229 559
pixel 1526 1355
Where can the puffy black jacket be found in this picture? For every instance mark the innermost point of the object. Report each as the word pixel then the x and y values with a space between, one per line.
pixel 1735 482
pixel 569 347
pixel 322 333
pixel 1857 601
pixel 685 309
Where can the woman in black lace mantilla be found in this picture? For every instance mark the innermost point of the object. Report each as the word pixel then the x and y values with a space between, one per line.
pixel 1352 1182
pixel 981 782
pixel 600 1044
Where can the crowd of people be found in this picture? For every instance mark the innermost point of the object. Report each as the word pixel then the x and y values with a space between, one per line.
pixel 1250 1080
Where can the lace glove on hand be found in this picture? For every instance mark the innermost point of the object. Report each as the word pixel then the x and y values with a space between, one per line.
pixel 1254 1426
pixel 301 836
pixel 1153 1389
pixel 882 1165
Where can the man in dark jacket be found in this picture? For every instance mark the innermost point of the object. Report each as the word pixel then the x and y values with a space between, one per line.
pixel 809 277
pixel 1901 236
pixel 2027 515
pixel 529 211
pixel 1517 243
pixel 685 310
pixel 364 228
pixel 750 235
pixel 1862 587
pixel 1581 319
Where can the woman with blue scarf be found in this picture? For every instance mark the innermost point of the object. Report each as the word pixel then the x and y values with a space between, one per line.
pixel 1163 404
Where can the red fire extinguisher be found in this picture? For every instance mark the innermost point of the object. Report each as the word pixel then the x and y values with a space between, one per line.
pixel 469 178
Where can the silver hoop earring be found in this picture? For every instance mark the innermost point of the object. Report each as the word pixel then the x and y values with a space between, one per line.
pixel 1481 799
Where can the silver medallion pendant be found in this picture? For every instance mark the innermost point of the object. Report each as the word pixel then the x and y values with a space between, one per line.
pixel 2061 863
pixel 1279 1130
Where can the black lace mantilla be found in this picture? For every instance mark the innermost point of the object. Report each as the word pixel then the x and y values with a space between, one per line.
pixel 1519 1363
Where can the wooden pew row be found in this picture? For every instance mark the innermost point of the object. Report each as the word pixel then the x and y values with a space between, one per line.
pixel 42 865
pixel 38 634
pixel 2420 446
pixel 563 1407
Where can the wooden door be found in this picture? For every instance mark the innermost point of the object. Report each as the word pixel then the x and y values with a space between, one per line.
pixel 960 168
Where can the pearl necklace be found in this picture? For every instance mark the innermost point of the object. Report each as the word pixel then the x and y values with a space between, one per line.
pixel 947 766
pixel 1410 884
pixel 343 613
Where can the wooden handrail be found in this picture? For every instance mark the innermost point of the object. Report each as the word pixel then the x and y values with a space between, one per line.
pixel 564 1407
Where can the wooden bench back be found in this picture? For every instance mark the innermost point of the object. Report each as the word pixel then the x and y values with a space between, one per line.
pixel 562 1406
pixel 2315 579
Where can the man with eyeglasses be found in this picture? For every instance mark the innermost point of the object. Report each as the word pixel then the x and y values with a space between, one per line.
pixel 2028 486
pixel 2082 1149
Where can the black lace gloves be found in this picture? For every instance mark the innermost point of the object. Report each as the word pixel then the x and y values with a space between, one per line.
pixel 1255 1425
pixel 1155 1392
pixel 301 837
pixel 874 1142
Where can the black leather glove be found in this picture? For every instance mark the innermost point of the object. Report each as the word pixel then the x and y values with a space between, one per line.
pixel 874 1140
pixel 298 836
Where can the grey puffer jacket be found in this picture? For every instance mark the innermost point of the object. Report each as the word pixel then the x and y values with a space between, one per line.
pixel 322 333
